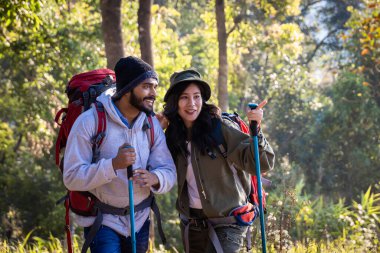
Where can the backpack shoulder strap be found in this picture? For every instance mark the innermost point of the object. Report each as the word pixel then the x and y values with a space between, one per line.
pixel 59 142
pixel 101 130
pixel 242 125
pixel 218 138
pixel 150 119
pixel 148 125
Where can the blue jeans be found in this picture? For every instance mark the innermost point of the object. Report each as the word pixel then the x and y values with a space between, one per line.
pixel 108 241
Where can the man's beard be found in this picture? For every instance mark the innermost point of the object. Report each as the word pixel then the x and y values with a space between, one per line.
pixel 139 103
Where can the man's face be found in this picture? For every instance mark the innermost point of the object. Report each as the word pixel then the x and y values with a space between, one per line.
pixel 144 95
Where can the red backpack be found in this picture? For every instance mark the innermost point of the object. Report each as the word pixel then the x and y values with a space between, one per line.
pixel 82 91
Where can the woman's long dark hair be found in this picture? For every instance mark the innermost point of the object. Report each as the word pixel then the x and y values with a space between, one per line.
pixel 176 133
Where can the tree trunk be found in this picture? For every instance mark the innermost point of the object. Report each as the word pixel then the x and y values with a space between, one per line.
pixel 223 64
pixel 112 32
pixel 145 39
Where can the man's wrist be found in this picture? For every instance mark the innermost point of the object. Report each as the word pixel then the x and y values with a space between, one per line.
pixel 156 186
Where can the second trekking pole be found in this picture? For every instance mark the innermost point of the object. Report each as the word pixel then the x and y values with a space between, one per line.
pixel 131 205
pixel 253 128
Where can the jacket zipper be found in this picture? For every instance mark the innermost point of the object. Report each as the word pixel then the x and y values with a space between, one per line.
pixel 199 174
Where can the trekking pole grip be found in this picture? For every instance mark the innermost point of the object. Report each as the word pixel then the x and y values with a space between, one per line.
pixel 129 171
pixel 253 124
pixel 129 168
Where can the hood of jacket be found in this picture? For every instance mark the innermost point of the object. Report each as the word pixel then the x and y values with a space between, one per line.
pixel 106 99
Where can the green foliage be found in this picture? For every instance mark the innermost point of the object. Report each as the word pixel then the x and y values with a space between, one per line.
pixel 297 222
pixel 364 45
pixel 172 52
pixel 320 220
pixel 35 65
pixel 17 18
pixel 265 52
pixel 363 222
pixel 350 155
pixel 7 141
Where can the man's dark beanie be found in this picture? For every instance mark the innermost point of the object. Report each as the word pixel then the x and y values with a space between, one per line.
pixel 130 72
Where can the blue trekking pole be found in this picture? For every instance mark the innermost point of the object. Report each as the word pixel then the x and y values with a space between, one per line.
pixel 253 127
pixel 131 204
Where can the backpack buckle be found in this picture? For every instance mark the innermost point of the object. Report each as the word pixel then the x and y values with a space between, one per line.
pixel 199 223
pixel 92 93
pixel 67 228
pixel 86 98
pixel 210 154
pixel 98 138
pixel 108 80
pixel 146 126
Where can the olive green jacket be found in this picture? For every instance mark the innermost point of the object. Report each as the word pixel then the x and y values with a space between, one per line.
pixel 219 190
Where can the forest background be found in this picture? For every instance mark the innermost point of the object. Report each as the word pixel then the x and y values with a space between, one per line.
pixel 316 61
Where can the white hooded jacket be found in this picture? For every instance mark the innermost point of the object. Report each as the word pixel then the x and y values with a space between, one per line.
pixel 100 178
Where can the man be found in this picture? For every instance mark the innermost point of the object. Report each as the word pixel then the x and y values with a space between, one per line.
pixel 126 143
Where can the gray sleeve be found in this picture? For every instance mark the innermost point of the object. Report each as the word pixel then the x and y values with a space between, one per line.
pixel 79 174
pixel 161 162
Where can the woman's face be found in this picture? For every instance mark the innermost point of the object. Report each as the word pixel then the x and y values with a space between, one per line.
pixel 190 104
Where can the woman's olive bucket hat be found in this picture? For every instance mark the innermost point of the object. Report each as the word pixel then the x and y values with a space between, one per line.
pixel 186 76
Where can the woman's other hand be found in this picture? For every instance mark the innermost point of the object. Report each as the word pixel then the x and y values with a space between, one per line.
pixel 256 114
pixel 163 120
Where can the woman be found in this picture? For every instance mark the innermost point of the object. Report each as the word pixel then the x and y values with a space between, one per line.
pixel 208 188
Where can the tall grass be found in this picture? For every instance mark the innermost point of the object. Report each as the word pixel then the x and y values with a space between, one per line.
pixel 35 244
pixel 54 245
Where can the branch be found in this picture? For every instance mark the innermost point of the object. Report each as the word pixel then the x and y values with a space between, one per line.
pixel 237 20
pixel 231 30
pixel 17 146
pixel 319 45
